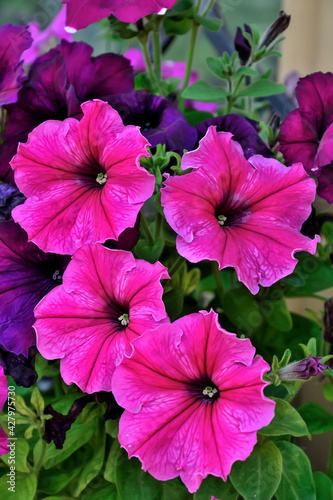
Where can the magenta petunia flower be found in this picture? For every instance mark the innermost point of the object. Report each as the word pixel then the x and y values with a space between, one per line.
pixel 14 40
pixel 107 299
pixel 306 133
pixel 82 179
pixel 3 398
pixel 81 13
pixel 193 395
pixel 26 275
pixel 239 213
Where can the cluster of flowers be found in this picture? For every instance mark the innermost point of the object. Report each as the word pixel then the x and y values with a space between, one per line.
pixel 72 142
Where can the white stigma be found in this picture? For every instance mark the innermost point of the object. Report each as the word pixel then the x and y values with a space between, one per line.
pixel 209 391
pixel 124 319
pixel 101 178
pixel 221 219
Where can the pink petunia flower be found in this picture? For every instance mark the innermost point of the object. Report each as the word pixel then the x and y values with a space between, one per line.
pixel 42 38
pixel 82 179
pixel 3 398
pixel 81 13
pixel 193 395
pixel 242 214
pixel 107 299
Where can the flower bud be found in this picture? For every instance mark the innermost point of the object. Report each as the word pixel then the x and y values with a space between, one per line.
pixel 278 27
pixel 242 45
pixel 302 370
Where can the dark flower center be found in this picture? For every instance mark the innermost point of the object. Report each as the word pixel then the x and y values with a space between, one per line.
pixel 147 119
pixel 56 276
pixel 204 390
pixel 119 316
pixel 227 217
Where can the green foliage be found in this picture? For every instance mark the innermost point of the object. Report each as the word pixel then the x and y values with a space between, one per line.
pixel 286 421
pixel 296 482
pixel 316 417
pixel 324 486
pixel 215 486
pixel 258 477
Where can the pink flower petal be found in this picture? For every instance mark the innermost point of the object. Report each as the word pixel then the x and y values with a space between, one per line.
pixel 170 423
pixel 58 170
pixel 259 229
pixel 79 321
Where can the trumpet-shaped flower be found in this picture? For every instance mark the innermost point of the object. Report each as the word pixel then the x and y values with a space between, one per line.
pixel 242 214
pixel 193 399
pixel 26 275
pixel 81 13
pixel 106 301
pixel 82 179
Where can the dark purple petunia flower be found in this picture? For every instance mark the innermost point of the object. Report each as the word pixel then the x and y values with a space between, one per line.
pixel 14 40
pixel 20 368
pixel 10 197
pixel 242 45
pixel 243 130
pixel 160 120
pixel 26 275
pixel 58 82
pixel 306 133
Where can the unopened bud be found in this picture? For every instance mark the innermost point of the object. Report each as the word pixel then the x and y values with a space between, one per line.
pixel 275 30
pixel 302 370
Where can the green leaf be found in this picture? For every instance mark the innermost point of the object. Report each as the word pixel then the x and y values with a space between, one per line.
pixel 21 455
pixel 215 486
pixel 215 65
pixel 173 300
pixel 37 400
pixel 176 26
pixel 175 489
pixel 94 463
pixel 190 281
pixel 296 482
pixel 277 314
pixel 112 427
pixel 22 408
pixel 53 481
pixel 324 486
pixel 107 492
pixel 242 310
pixel 195 117
pixel 151 253
pixel 258 477
pixel 244 71
pixel 24 487
pixel 328 391
pixel 202 91
pixel 211 23
pixel 262 88
pixel 115 459
pixel 327 231
pixel 77 436
pixel 316 417
pixel 310 276
pixel 287 420
pixel 135 484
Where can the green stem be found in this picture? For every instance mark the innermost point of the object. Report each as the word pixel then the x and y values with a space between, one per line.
pixel 297 387
pixel 210 5
pixel 157 48
pixel 40 459
pixel 147 60
pixel 146 230
pixel 218 281
pixel 176 265
pixel 158 226
pixel 193 40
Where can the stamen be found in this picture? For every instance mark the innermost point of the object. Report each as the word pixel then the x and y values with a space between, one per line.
pixel 56 276
pixel 101 178
pixel 221 219
pixel 124 319
pixel 209 391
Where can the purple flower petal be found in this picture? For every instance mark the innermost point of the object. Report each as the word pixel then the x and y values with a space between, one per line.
pixel 14 40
